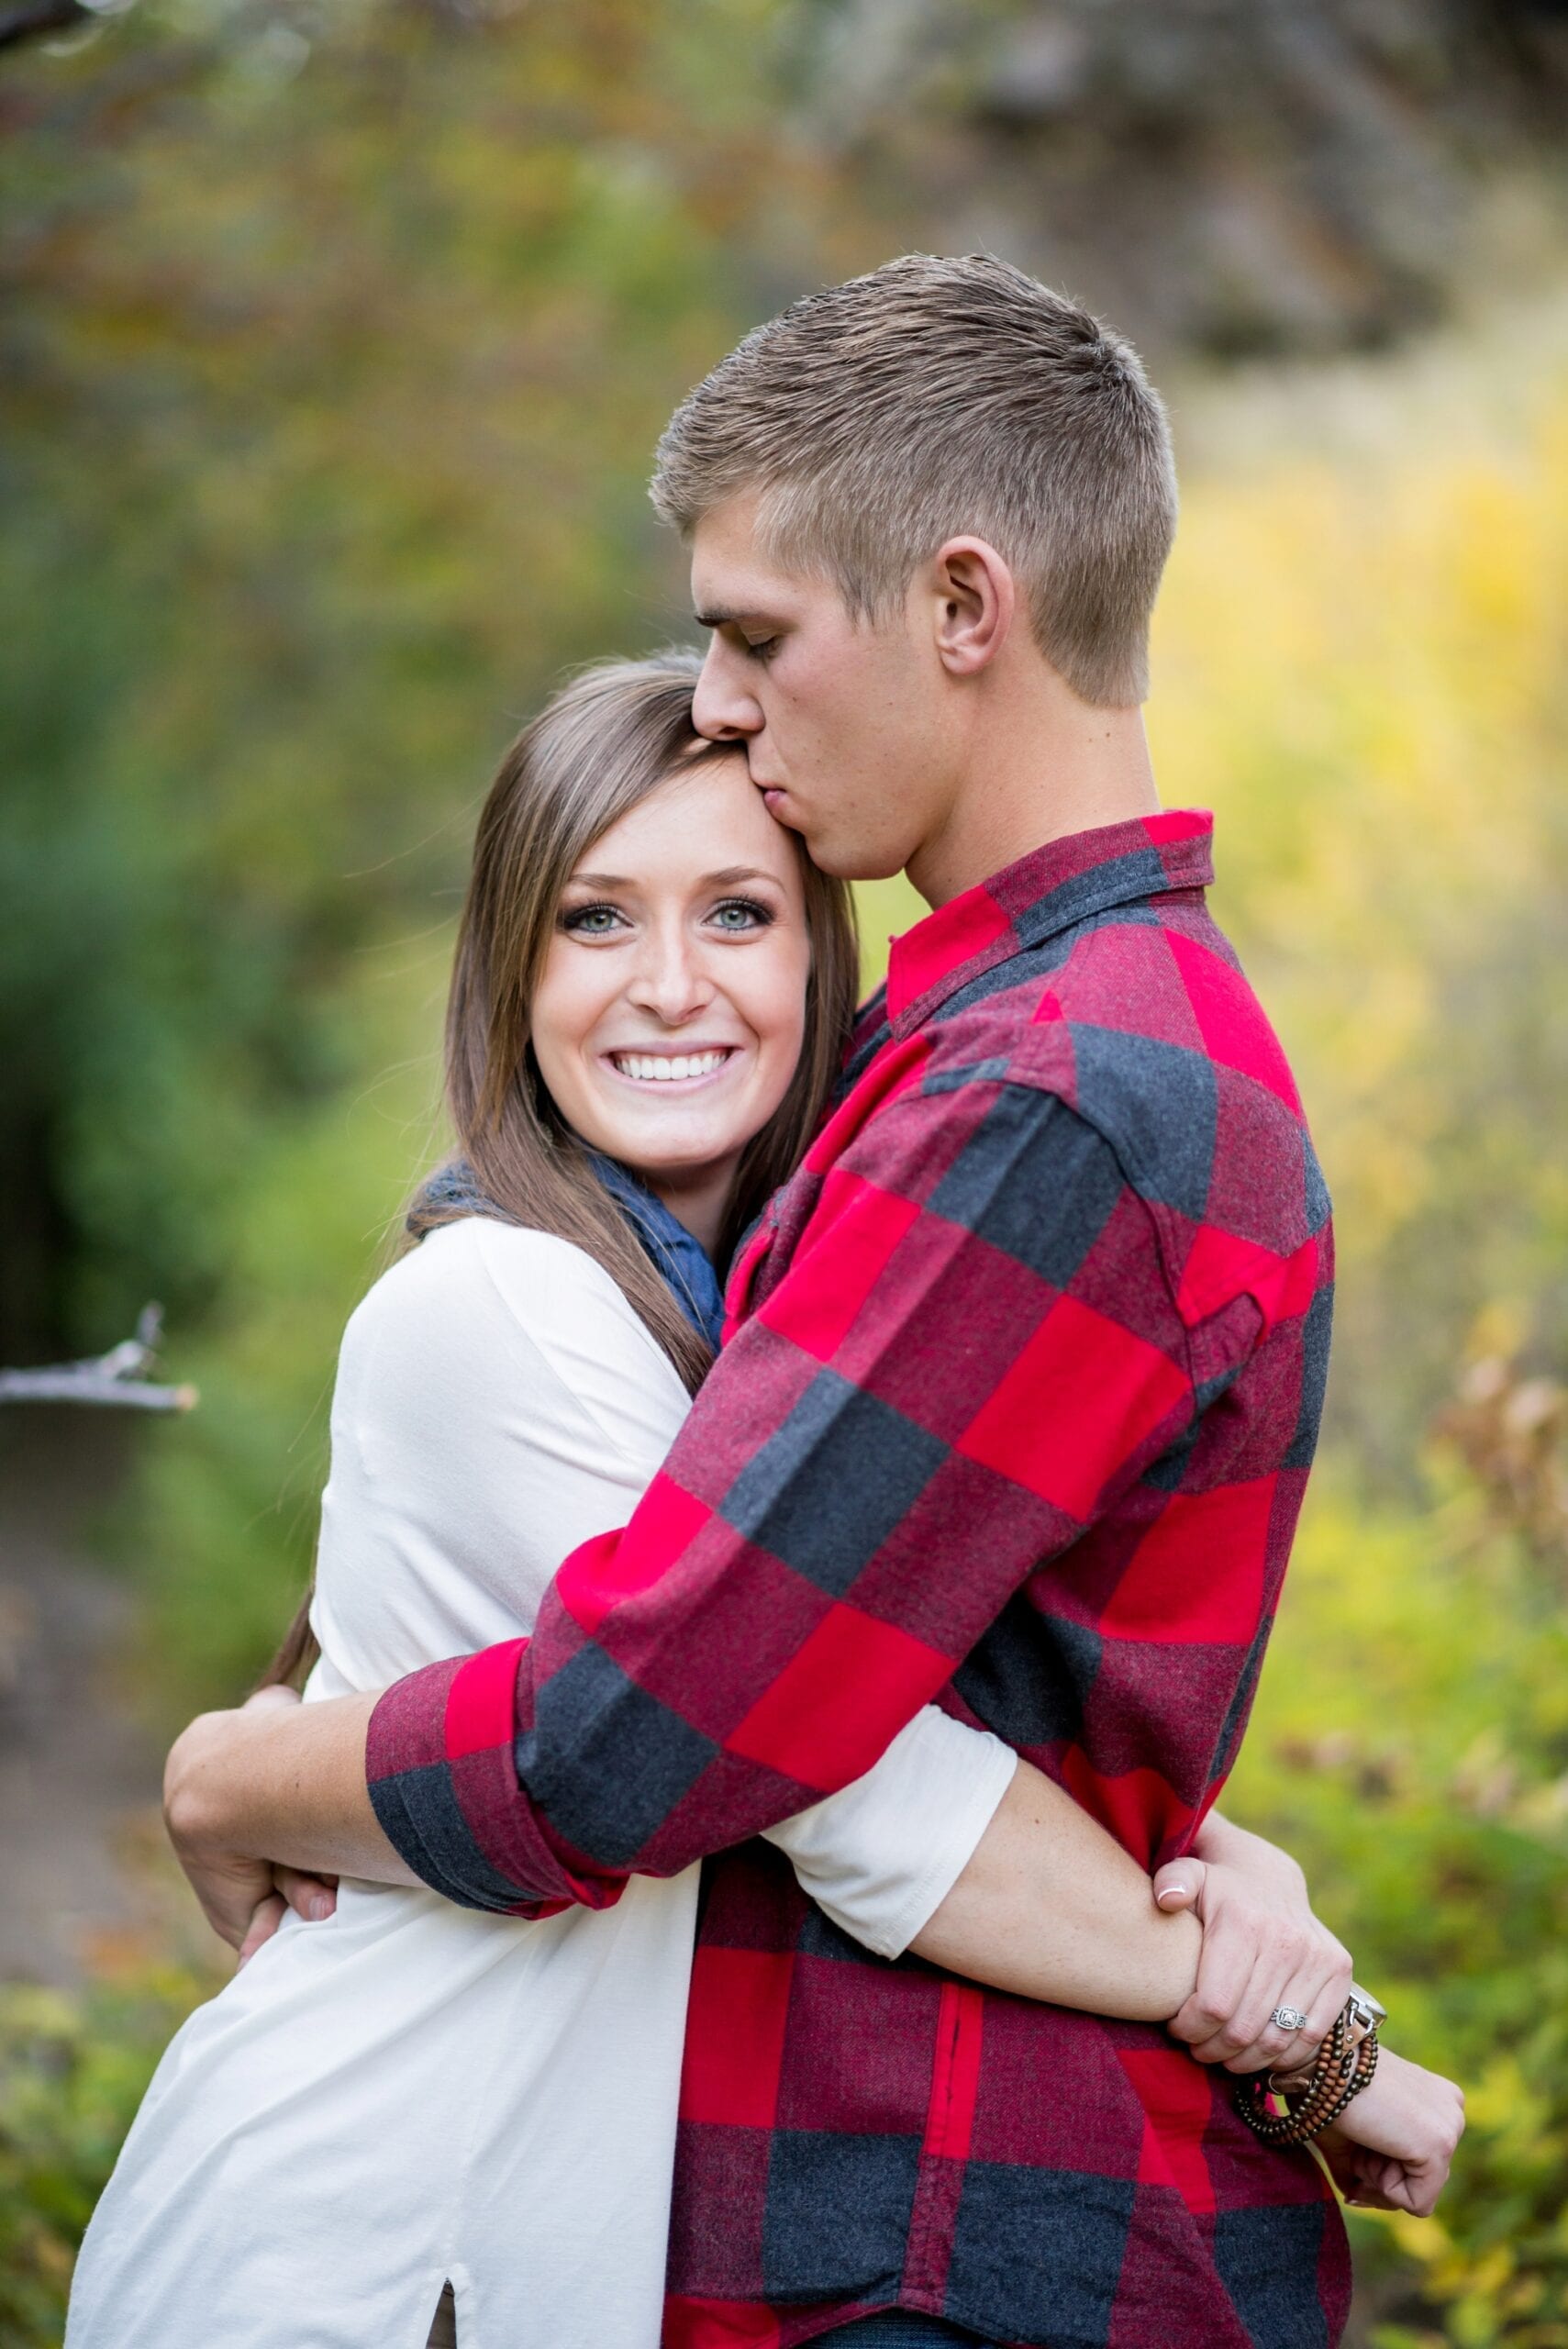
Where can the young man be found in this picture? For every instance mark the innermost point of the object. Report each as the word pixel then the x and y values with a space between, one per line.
pixel 1022 1388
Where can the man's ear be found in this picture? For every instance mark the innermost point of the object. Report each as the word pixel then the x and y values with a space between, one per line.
pixel 975 599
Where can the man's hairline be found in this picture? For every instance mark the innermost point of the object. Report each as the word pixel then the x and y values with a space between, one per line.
pixel 825 574
pixel 758 486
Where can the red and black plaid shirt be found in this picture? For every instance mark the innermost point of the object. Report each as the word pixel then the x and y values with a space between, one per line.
pixel 1022 1385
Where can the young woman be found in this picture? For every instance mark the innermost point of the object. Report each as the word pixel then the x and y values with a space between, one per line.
pixel 408 2106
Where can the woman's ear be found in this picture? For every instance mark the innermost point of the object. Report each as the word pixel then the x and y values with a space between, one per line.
pixel 974 598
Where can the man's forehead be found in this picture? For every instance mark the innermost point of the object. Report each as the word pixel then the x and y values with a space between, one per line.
pixel 731 578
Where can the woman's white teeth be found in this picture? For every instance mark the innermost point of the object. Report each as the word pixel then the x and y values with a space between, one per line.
pixel 664 1068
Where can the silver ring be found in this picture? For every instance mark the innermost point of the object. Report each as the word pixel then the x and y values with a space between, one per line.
pixel 1288 2019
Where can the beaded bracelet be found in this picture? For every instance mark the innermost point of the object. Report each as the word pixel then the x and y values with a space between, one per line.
pixel 1345 2064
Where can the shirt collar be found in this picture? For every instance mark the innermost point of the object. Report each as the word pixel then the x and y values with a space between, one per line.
pixel 675 1252
pixel 1051 889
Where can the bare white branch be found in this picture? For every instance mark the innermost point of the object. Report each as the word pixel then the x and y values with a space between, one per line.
pixel 104 1378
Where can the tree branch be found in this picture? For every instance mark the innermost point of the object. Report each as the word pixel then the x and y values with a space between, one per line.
pixel 105 1378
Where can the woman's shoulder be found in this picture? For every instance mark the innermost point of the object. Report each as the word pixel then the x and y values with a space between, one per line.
pixel 538 1296
pixel 478 1262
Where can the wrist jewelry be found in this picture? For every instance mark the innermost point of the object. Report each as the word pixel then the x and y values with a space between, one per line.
pixel 1312 2098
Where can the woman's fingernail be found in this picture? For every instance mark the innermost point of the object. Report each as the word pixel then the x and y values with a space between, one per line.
pixel 321 1908
pixel 1168 1899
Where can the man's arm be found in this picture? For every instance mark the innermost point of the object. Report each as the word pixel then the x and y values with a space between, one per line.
pixel 1049 1908
pixel 974 1350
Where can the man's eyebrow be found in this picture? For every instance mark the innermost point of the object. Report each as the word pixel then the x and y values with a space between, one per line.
pixel 719 617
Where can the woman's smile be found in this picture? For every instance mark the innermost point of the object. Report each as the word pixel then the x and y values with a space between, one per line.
pixel 693 1066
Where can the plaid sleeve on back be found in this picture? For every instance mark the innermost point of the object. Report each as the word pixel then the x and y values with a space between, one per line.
pixel 974 1349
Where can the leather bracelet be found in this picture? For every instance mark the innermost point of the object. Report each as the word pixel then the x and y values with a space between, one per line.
pixel 1316 2098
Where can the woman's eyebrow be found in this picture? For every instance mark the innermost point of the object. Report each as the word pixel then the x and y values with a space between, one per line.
pixel 730 877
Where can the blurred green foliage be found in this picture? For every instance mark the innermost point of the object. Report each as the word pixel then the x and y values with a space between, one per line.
pixel 1360 665
pixel 332 352
pixel 1411 1745
pixel 72 2072
pixel 332 366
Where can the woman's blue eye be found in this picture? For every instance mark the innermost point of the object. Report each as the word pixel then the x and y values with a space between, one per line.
pixel 741 913
pixel 593 919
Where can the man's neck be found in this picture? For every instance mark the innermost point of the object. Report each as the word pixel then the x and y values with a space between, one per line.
pixel 1056 766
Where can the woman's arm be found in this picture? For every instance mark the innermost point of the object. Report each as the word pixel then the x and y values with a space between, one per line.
pixel 1051 1907
pixel 952 1846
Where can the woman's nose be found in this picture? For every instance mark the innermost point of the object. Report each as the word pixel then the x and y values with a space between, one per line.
pixel 723 706
pixel 670 980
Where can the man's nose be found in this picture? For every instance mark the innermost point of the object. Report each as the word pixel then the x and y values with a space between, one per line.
pixel 724 707
pixel 669 979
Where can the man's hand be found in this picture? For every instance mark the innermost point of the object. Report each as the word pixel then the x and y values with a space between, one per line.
pixel 1262 1948
pixel 269 1778
pixel 1392 2147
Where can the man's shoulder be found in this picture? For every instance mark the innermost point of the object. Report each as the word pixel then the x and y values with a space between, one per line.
pixel 1143 1023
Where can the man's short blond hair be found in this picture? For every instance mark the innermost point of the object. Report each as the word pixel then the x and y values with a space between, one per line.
pixel 933 399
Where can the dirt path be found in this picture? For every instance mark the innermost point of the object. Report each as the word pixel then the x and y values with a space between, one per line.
pixel 79 1779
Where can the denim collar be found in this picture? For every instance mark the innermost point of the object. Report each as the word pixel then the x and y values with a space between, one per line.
pixel 684 1260
pixel 670 1248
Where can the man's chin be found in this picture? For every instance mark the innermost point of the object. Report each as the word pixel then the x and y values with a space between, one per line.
pixel 842 861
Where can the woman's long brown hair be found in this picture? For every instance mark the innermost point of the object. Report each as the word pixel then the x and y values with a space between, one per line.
pixel 597 750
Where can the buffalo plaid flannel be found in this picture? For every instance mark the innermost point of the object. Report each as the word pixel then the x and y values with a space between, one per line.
pixel 1023 1376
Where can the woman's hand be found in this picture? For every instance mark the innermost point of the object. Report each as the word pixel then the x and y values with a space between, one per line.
pixel 244 1899
pixel 1392 2147
pixel 313 1898
pixel 1262 1948
pixel 231 1886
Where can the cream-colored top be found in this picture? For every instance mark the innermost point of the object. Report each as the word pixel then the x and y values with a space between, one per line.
pixel 411 2091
